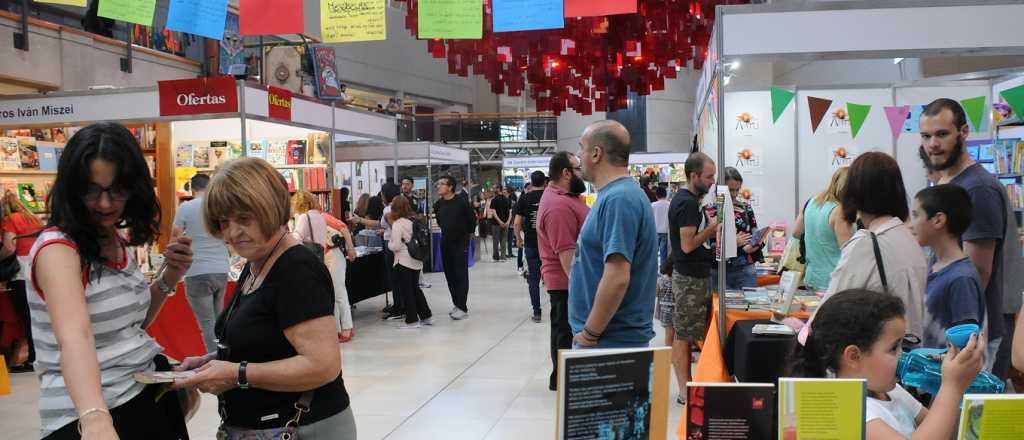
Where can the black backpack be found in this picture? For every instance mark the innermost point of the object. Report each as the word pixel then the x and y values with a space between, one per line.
pixel 419 244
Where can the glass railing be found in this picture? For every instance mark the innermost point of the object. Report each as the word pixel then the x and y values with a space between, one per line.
pixel 459 128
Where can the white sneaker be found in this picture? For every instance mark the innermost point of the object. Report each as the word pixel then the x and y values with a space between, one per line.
pixel 428 321
pixel 459 315
pixel 412 326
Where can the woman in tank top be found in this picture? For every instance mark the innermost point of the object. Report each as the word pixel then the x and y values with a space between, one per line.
pixel 824 231
pixel 89 301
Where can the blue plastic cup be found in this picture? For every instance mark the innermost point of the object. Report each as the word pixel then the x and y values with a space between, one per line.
pixel 960 335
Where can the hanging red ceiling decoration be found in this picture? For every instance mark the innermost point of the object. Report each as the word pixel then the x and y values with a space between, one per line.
pixel 593 63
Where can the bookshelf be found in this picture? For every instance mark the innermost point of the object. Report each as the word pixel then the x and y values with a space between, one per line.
pixel 1007 154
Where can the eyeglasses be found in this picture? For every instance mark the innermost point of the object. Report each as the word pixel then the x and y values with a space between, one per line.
pixel 116 194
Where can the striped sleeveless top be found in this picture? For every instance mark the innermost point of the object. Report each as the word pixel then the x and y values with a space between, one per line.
pixel 118 298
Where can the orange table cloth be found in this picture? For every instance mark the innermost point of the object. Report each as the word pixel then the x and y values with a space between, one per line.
pixel 176 328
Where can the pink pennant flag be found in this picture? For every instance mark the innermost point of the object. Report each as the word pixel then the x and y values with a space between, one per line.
pixel 897 118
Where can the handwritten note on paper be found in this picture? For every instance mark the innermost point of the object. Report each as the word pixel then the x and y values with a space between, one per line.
pixel 526 15
pixel 79 3
pixel 131 11
pixel 598 8
pixel 345 21
pixel 455 19
pixel 198 17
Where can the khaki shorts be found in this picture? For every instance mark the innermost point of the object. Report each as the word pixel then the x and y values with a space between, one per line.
pixel 693 300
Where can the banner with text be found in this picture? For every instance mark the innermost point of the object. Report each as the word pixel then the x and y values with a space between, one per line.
pixel 198 96
pixel 270 17
pixel 280 103
pixel 198 17
pixel 346 21
pixel 132 11
pixel 454 19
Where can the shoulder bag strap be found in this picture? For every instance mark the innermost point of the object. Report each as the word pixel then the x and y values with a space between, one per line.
pixel 309 221
pixel 879 263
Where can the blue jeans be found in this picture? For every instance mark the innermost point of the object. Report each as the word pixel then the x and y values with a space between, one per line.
pixel 737 276
pixel 533 276
pixel 662 248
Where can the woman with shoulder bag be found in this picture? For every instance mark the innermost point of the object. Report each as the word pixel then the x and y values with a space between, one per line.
pixel 277 368
pixel 340 250
pixel 417 312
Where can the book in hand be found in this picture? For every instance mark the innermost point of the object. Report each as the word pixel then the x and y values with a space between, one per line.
pixel 729 411
pixel 822 409
pixel 151 377
pixel 991 417
pixel 613 393
pixel 772 329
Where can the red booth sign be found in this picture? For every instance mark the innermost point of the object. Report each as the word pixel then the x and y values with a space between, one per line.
pixel 198 96
pixel 280 101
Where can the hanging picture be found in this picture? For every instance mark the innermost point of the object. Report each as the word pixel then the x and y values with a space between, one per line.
pixel 838 121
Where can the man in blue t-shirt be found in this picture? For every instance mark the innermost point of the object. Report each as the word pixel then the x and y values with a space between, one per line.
pixel 612 286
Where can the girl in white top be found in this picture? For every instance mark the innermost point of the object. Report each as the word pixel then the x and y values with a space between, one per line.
pixel 858 334
pixel 407 268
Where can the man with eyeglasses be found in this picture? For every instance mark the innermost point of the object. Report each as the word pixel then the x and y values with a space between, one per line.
pixel 457 221
pixel 560 216
pixel 206 281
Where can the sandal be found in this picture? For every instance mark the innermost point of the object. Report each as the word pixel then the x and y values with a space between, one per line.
pixel 342 338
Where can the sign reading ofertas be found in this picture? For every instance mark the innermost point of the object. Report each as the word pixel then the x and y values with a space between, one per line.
pixel 198 96
pixel 279 103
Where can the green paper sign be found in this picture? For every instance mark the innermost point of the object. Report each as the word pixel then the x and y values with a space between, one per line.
pixel 1015 97
pixel 858 114
pixel 453 19
pixel 780 100
pixel 131 11
pixel 975 109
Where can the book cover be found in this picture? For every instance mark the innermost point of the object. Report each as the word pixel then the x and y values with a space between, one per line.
pixel 201 156
pixel 42 134
pixel 320 151
pixel 729 411
pixel 991 417
pixel 28 153
pixel 29 197
pixel 183 155
pixel 296 152
pixel 289 177
pixel 219 153
pixel 48 155
pixel 613 393
pixel 59 135
pixel 821 408
pixel 258 149
pixel 235 149
pixel 10 156
pixel 277 153
pixel 325 72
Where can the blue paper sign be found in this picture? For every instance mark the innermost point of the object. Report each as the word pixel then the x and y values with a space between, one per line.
pixel 198 17
pixel 526 15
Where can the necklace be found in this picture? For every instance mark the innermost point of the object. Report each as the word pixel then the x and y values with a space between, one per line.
pixel 252 281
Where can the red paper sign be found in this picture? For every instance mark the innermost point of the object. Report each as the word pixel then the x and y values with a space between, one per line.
pixel 198 96
pixel 598 8
pixel 270 17
pixel 280 101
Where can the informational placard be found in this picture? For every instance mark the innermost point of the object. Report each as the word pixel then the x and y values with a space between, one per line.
pixel 346 21
pixel 131 11
pixel 597 8
pixel 526 15
pixel 279 103
pixel 198 17
pixel 79 3
pixel 821 408
pixel 453 19
pixel 270 17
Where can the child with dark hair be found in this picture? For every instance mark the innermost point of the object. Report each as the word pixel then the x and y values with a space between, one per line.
pixel 858 334
pixel 953 295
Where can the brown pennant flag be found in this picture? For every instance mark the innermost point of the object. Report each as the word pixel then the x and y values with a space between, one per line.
pixel 818 107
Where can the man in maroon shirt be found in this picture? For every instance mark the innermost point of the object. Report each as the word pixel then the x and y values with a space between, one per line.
pixel 559 220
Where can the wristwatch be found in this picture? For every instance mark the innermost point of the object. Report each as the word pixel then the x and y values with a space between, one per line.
pixel 243 383
pixel 164 287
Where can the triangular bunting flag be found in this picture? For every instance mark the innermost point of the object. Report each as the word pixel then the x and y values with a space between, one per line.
pixel 780 100
pixel 897 118
pixel 1015 97
pixel 858 114
pixel 975 109
pixel 818 108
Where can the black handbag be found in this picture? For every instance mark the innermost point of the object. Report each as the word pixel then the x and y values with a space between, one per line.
pixel 312 245
pixel 9 268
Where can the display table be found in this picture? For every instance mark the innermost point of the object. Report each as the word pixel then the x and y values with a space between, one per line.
pixel 711 365
pixel 176 329
pixel 436 245
pixel 366 277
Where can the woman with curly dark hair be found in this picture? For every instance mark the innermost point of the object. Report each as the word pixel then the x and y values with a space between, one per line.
pixel 90 302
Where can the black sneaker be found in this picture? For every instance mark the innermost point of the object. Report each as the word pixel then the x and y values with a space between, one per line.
pixel 536 316
pixel 394 316
pixel 23 368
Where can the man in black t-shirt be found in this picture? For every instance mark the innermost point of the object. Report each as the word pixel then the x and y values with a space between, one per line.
pixel 456 218
pixel 690 233
pixel 526 235
pixel 501 209
pixel 407 184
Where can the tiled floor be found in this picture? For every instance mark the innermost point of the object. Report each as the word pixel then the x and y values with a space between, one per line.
pixel 482 378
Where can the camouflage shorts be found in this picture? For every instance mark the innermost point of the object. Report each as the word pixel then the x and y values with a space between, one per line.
pixel 693 299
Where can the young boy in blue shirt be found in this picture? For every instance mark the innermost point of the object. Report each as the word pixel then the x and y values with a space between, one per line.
pixel 953 296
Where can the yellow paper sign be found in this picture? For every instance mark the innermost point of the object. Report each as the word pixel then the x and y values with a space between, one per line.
pixel 346 21
pixel 79 3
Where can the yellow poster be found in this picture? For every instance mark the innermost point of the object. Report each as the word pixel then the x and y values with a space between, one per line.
pixel 821 409
pixel 182 176
pixel 79 3
pixel 346 21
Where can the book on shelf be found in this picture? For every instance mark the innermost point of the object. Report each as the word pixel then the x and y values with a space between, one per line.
pixel 201 156
pixel 49 155
pixel 296 152
pixel 28 153
pixel 235 149
pixel 183 155
pixel 613 393
pixel 258 149
pixel 821 408
pixel 991 417
pixel 318 148
pixel 277 153
pixel 733 411
pixel 10 156
pixel 9 186
pixel 29 197
pixel 219 153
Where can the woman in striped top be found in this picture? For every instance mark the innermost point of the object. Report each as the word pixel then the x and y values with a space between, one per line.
pixel 90 303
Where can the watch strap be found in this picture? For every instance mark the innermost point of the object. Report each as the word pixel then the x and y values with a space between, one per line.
pixel 243 382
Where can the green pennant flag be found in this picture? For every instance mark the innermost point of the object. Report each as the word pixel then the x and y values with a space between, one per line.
pixel 780 100
pixel 858 114
pixel 975 109
pixel 1015 97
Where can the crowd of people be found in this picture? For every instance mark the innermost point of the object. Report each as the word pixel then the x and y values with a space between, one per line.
pixel 608 269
